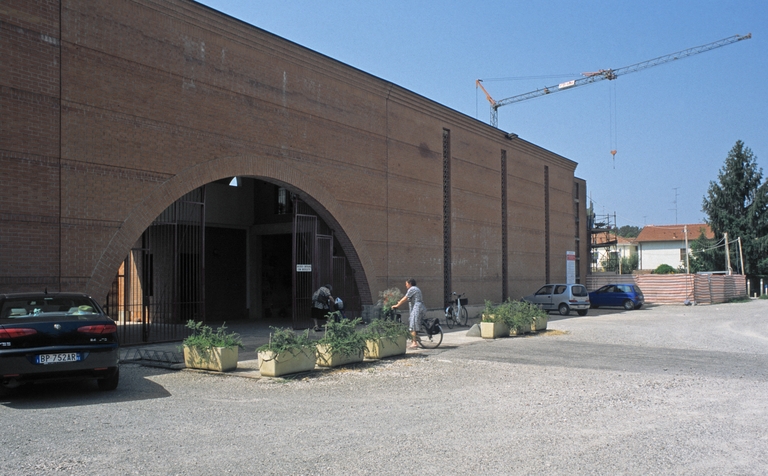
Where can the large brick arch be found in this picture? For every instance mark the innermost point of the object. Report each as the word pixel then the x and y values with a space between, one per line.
pixel 323 202
pixel 120 107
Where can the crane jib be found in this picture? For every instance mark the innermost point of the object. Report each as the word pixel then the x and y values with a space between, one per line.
pixel 609 74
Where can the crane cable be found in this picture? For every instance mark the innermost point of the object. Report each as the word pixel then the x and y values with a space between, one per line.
pixel 613 139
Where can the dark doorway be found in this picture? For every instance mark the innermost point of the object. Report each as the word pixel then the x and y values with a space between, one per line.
pixel 276 277
pixel 225 274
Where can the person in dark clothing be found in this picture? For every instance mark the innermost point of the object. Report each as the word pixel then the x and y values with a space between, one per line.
pixel 322 304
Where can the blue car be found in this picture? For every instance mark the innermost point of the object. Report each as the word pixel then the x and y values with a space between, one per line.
pixel 627 296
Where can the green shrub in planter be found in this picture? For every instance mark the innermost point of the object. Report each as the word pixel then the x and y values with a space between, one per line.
pixel 387 328
pixel 524 315
pixel 389 298
pixel 204 338
pixel 516 315
pixel 206 349
pixel 286 352
pixel 341 339
pixel 385 338
pixel 493 322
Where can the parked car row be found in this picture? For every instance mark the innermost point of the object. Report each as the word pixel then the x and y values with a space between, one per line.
pixel 565 298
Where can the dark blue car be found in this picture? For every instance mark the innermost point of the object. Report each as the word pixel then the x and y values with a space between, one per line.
pixel 627 296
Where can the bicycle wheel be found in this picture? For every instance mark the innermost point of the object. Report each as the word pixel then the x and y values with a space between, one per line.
pixel 463 317
pixel 430 341
pixel 450 317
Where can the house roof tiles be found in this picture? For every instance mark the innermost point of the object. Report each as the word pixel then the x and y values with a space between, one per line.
pixel 673 232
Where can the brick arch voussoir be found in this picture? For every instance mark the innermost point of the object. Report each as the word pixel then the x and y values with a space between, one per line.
pixel 255 166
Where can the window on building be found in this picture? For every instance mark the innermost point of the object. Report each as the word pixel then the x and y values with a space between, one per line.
pixel 284 204
pixel 682 254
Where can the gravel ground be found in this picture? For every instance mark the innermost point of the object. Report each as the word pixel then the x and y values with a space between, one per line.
pixel 663 390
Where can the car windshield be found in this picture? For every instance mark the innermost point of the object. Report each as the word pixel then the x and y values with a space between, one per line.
pixel 30 307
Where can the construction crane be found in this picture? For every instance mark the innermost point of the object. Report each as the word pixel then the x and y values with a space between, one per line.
pixel 609 74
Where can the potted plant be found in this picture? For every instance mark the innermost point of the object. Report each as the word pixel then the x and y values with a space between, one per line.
pixel 389 298
pixel 286 353
pixel 522 316
pixel 209 350
pixel 385 338
pixel 539 317
pixel 341 344
pixel 493 323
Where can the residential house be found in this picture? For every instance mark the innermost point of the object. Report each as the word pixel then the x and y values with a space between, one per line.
pixel 666 244
pixel 608 244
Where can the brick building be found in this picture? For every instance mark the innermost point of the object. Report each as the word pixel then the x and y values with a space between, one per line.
pixel 126 124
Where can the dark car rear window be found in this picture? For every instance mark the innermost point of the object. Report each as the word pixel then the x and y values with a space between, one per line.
pixel 29 307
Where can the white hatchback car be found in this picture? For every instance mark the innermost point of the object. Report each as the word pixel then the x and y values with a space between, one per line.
pixel 561 298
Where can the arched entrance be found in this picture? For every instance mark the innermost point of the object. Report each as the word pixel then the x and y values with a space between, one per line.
pixel 214 255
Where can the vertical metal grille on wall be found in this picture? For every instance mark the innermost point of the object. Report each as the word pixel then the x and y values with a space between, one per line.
pixel 446 216
pixel 161 283
pixel 504 227
pixel 546 224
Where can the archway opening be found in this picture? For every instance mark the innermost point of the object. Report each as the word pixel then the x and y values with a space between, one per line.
pixel 227 251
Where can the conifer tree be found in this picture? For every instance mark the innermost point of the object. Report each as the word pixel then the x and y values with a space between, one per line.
pixel 738 204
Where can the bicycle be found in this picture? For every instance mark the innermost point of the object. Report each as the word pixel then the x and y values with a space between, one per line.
pixel 430 333
pixel 456 312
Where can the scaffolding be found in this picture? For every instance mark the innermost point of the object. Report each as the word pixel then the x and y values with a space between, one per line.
pixel 603 239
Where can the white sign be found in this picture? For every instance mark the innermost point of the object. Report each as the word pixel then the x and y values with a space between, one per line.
pixel 566 84
pixel 303 268
pixel 570 267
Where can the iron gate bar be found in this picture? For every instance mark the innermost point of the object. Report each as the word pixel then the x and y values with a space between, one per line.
pixel 162 281
pixel 304 230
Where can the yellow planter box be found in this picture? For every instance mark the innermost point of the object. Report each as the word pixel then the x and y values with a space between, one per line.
pixel 380 348
pixel 540 324
pixel 219 359
pixel 271 365
pixel 328 359
pixel 492 330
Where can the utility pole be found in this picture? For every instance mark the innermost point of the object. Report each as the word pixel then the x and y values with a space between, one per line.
pixel 727 255
pixel 741 257
pixel 687 263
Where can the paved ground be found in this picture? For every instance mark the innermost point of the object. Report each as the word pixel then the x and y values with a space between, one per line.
pixel 664 390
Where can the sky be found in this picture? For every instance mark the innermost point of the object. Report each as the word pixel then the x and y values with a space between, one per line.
pixel 672 125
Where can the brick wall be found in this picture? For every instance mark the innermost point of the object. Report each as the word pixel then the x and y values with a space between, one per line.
pixel 29 144
pixel 155 98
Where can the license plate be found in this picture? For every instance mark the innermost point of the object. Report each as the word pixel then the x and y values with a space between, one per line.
pixel 46 359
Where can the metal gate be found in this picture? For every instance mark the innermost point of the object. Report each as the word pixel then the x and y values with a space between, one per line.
pixel 161 283
pixel 312 261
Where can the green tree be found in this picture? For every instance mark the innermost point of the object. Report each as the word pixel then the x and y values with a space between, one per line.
pixel 628 231
pixel 610 262
pixel 663 269
pixel 738 205
pixel 705 256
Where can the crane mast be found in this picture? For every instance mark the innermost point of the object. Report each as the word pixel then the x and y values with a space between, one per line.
pixel 609 74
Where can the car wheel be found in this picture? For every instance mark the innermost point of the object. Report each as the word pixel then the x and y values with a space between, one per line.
pixel 629 305
pixel 582 312
pixel 109 383
pixel 638 306
pixel 564 309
